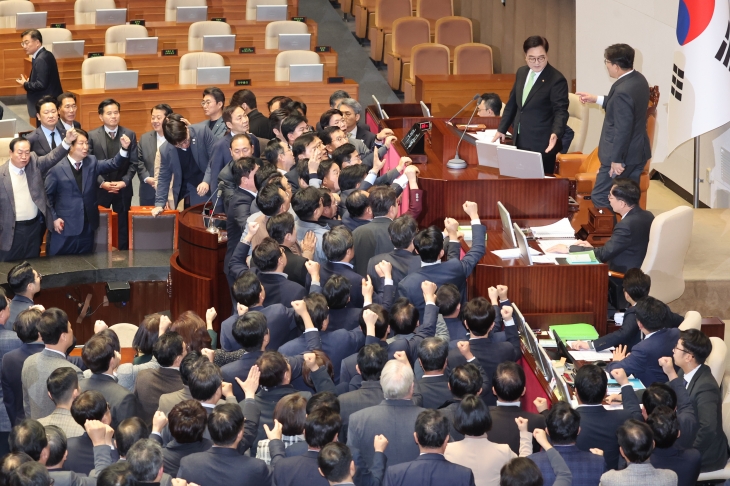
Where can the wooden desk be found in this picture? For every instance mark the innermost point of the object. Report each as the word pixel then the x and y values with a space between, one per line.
pixel 171 36
pixel 62 11
pixel 185 99
pixel 448 93
pixel 165 69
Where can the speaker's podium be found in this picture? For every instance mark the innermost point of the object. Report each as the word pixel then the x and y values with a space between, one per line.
pixel 196 268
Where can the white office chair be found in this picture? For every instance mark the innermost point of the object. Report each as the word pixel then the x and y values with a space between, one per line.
pixel 93 70
pixel 54 35
pixel 273 29
pixel 198 29
pixel 190 62
pixel 692 320
pixel 115 38
pixel 85 10
pixel 285 58
pixel 9 9
pixel 125 332
pixel 172 5
pixel 252 4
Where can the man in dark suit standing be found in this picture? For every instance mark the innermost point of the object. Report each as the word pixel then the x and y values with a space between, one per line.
pixel 27 211
pixel 338 247
pixel 666 454
pixel 153 383
pixel 430 467
pixel 624 147
pixel 214 100
pixel 539 101
pixel 373 238
pixel 66 103
pixel 690 354
pixel 44 78
pixel 257 122
pixel 48 135
pixel 90 405
pixel 115 187
pixel 402 258
pixel 239 208
pixel 352 113
pixel 72 194
pixel 149 143
pixel 185 156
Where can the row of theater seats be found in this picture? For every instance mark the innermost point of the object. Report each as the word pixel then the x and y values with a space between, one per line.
pixel 116 36
pixel 85 10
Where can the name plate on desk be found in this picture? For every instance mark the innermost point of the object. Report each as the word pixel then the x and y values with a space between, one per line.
pixel 247 50
pixel 61 25
pixel 323 49
pixel 299 19
pixel 136 22
pixel 335 80
pixel 169 52
pixel 218 19
pixel 243 82
pixel 95 54
pixel 413 141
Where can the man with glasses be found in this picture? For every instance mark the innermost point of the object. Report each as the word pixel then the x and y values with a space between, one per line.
pixel 352 112
pixel 44 79
pixel 624 147
pixel 537 108
pixel 213 102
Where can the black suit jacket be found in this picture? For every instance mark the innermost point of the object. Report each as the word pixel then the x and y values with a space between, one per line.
pixel 121 401
pixel 337 345
pixel 295 269
pixel 60 124
pixel 367 137
pixel 125 172
pixel 429 470
pixel 707 401
pixel 237 213
pixel 403 262
pixel 623 137
pixel 433 391
pixel 629 334
pixel 684 462
pixel 174 452
pixel 240 369
pixel 259 125
pixel 12 386
pixel 504 429
pixel 347 319
pixel 598 426
pixel 266 400
pixel 43 80
pixel 279 320
pixel 303 469
pixel 545 110
pixel 371 239
pixel 328 269
pixel 81 455
pixel 410 342
pixel 39 142
pixel 220 465
pixel 627 246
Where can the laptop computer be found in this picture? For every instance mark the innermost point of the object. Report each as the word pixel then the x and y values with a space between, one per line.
pixel 30 20
pixel 68 49
pixel 306 73
pixel 219 43
pixel 7 128
pixel 268 13
pixel 188 15
pixel 140 45
pixel 507 229
pixel 522 164
pixel 522 245
pixel 213 76
pixel 121 79
pixel 383 114
pixel 424 109
pixel 111 16
pixel 294 42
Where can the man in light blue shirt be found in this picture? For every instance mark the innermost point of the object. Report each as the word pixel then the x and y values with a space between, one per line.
pixel 49 134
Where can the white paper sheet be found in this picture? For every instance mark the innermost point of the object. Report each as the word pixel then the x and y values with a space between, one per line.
pixel 544 259
pixel 591 355
pixel 559 229
pixel 545 244
pixel 513 253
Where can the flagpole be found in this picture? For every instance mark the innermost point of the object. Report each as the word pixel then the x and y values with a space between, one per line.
pixel 696 188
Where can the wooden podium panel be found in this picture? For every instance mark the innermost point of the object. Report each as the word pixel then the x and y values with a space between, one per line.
pixel 165 69
pixel 185 99
pixel 448 93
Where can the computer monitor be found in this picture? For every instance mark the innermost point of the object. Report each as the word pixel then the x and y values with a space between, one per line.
pixel 424 109
pixel 522 245
pixel 188 15
pixel 68 49
pixel 270 13
pixel 507 229
pixel 111 16
pixel 30 20
pixel 7 128
pixel 213 76
pixel 140 45
pixel 306 73
pixel 562 348
pixel 121 79
pixel 219 43
pixel 522 164
pixel 294 42
pixel 562 388
pixel 381 111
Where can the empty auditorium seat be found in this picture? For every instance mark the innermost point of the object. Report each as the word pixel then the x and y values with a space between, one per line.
pixel 425 59
pixel 386 12
pixel 116 36
pixel 191 61
pixel 452 32
pixel 473 58
pixel 199 29
pixel 85 10
pixel 93 70
pixel 286 58
pixel 407 32
pixel 273 29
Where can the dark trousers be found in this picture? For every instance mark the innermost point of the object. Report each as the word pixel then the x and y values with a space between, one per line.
pixel 604 182
pixel 120 204
pixel 146 194
pixel 27 240
pixel 71 245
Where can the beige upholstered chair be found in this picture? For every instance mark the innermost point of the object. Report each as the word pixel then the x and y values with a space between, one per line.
pixel 692 320
pixel 93 70
pixel 85 10
pixel 380 33
pixel 191 61
pixel 286 58
pixel 425 59
pixel 716 359
pixel 116 36
pixel 664 261
pixel 125 332
pixel 453 31
pixel 578 121
pixel 407 32
pixel 8 10
pixel 172 5
pixel 54 35
pixel 473 58
pixel 273 29
pixel 432 10
pixel 5 150
pixel 252 4
pixel 364 11
pixel 199 29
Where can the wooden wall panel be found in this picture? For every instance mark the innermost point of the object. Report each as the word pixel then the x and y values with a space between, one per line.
pixel 505 27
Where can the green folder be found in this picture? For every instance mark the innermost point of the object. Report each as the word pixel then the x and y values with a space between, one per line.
pixel 582 258
pixel 575 332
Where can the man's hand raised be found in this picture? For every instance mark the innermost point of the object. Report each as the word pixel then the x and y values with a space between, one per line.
pixel 471 209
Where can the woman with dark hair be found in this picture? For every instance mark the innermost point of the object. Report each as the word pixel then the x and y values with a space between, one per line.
pixel 145 338
pixel 196 333
pixel 321 359
pixel 291 412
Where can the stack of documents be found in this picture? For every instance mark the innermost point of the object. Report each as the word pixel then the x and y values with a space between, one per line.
pixel 512 253
pixel 592 355
pixel 485 136
pixel 561 229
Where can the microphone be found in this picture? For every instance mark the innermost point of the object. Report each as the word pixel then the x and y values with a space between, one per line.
pixel 206 202
pixel 476 97
pixel 211 228
pixel 457 162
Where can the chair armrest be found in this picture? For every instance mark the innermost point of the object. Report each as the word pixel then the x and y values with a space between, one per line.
pixel 584 182
pixel 613 274
pixel 568 165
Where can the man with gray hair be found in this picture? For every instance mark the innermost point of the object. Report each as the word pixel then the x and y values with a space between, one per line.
pixel 352 112
pixel 145 460
pixel 395 417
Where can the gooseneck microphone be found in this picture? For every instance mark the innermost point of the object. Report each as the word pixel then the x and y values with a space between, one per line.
pixel 457 162
pixel 476 97
pixel 211 228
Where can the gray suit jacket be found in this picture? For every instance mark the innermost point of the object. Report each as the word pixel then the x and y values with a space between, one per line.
pixel 146 153
pixel 121 401
pixel 219 128
pixel 35 172
pixel 169 400
pixel 36 370
pixel 643 473
pixel 371 239
pixel 396 419
pixel 17 305
pixel 102 459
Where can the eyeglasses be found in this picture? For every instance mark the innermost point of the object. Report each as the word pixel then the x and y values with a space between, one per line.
pixel 347 114
pixel 606 61
pixel 25 43
pixel 533 60
pixel 205 103
pixel 677 348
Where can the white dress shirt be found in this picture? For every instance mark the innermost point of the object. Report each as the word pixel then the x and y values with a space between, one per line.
pixel 599 99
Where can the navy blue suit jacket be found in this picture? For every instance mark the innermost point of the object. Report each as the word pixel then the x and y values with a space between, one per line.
pixel 409 343
pixel 685 462
pixel 279 320
pixel 327 269
pixel 643 362
pixel 43 80
pixel 429 470
pixel 450 271
pixel 347 319
pixel 238 211
pixel 586 467
pixel 67 202
pixel 39 142
pixel 12 386
pixel 629 333
pixel 303 469
pixel 337 345
pixel 240 369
